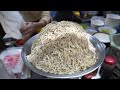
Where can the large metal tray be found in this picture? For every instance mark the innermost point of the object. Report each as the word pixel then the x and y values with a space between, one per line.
pixel 100 50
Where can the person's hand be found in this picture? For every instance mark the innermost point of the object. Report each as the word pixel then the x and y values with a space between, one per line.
pixel 39 24
pixel 27 30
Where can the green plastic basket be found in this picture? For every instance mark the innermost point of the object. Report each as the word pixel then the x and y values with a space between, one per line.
pixel 114 50
pixel 115 40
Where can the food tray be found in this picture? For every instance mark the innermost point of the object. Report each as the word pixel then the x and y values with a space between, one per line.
pixel 100 50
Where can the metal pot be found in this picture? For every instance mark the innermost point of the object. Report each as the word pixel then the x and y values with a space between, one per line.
pixel 100 50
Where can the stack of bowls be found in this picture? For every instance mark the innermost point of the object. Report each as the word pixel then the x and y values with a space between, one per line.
pixel 113 20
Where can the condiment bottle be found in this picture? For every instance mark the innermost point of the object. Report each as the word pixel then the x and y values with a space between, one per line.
pixel 109 64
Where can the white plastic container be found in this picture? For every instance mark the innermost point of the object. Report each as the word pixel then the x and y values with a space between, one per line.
pixel 107 29
pixel 97 22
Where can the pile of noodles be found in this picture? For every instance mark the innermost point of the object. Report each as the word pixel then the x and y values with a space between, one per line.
pixel 62 48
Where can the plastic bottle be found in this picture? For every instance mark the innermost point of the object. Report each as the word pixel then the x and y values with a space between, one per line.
pixel 109 64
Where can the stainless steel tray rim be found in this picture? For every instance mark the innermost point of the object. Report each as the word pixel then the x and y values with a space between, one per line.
pixel 49 75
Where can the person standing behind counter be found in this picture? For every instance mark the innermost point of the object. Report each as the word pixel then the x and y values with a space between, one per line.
pixel 10 24
pixel 21 24
pixel 34 20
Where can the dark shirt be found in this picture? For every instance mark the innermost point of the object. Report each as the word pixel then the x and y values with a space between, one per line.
pixel 67 16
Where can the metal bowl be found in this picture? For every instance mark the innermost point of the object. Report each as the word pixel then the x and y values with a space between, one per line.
pixel 100 50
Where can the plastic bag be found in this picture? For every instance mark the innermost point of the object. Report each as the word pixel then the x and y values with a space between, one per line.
pixel 14 64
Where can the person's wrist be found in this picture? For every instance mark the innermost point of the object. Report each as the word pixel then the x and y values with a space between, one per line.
pixel 39 24
pixel 35 25
pixel 43 22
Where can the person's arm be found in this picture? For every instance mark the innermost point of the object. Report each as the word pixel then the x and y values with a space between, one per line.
pixel 29 28
pixel 45 19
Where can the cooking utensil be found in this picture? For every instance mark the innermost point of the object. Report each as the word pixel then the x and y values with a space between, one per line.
pixel 100 51
pixel 97 75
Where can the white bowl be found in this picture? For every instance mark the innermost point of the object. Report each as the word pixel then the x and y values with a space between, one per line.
pixel 107 29
pixel 102 37
pixel 97 22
